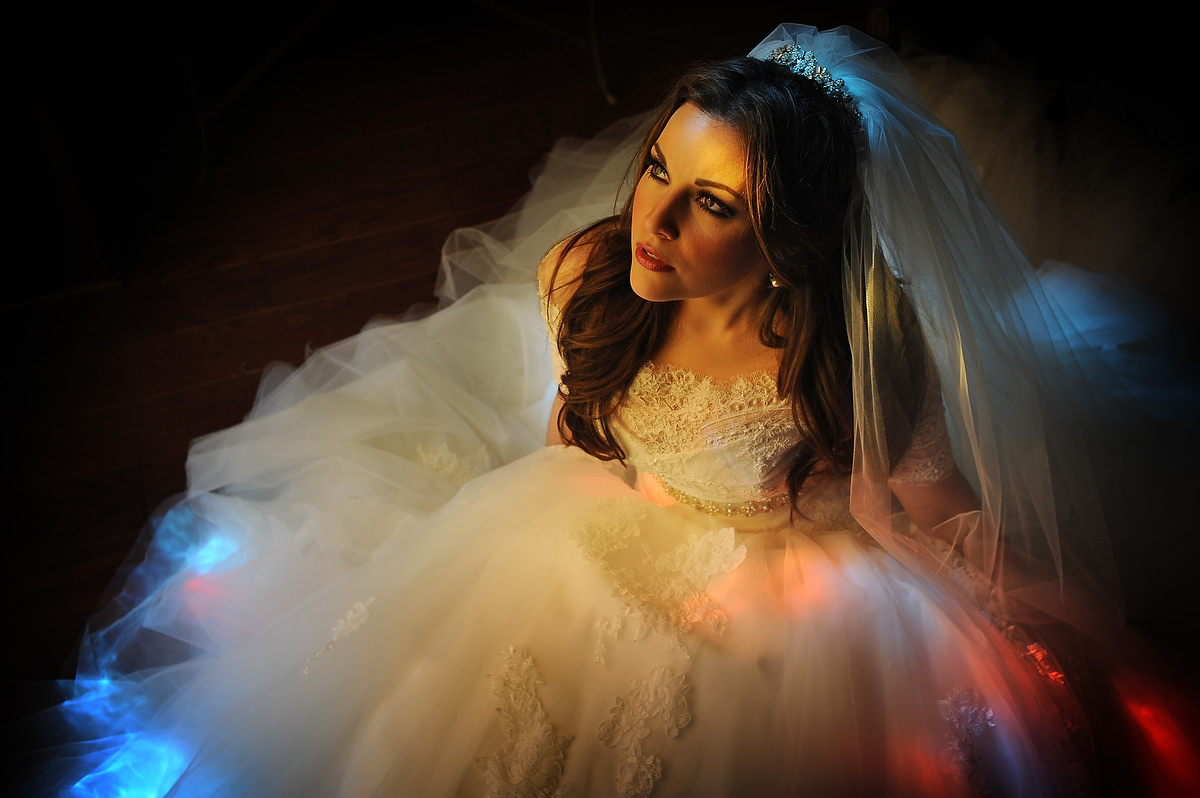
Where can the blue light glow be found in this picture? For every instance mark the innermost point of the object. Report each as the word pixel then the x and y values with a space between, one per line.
pixel 101 707
pixel 127 666
pixel 141 768
pixel 203 557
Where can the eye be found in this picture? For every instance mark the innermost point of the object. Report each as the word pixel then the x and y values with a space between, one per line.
pixel 656 171
pixel 714 206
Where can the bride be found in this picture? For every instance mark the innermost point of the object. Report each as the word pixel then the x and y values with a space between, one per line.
pixel 819 511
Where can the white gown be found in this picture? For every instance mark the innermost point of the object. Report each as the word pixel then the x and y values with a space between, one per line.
pixel 365 618
pixel 382 584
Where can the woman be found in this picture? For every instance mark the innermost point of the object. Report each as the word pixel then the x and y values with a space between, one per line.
pixel 753 278
pixel 806 310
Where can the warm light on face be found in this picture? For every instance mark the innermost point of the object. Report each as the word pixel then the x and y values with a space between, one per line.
pixel 691 235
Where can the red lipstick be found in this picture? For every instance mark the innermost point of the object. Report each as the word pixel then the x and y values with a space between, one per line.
pixel 649 259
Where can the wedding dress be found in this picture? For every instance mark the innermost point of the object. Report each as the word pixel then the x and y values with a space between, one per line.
pixel 383 584
pixel 370 617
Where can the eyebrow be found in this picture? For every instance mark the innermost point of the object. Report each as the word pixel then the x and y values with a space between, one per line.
pixel 657 152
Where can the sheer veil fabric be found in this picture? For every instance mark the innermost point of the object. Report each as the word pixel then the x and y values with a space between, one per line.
pixel 1003 358
pixel 321 613
pixel 1033 407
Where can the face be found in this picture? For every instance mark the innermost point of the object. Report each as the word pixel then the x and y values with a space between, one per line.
pixel 691 232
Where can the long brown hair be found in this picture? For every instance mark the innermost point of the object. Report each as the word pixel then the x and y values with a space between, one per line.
pixel 801 181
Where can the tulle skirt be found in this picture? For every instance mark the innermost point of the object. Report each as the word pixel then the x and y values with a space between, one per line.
pixel 550 630
pixel 387 587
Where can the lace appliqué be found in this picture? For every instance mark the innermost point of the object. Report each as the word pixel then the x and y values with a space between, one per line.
pixel 610 525
pixel 347 625
pixel 459 470
pixel 662 698
pixel 530 764
pixel 723 442
pixel 608 629
pixel 668 407
pixel 662 583
pixel 929 458
pixel 968 719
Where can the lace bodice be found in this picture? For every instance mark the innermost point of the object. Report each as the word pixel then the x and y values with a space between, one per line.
pixel 724 446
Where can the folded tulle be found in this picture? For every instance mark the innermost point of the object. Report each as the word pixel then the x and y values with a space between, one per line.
pixel 550 627
pixel 461 390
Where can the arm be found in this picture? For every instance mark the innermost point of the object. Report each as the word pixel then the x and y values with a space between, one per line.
pixel 927 481
pixel 557 287
pixel 572 263
pixel 931 505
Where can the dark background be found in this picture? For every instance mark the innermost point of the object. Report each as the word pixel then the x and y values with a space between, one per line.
pixel 198 189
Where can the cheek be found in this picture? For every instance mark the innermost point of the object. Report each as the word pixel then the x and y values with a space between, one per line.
pixel 750 253
pixel 733 255
pixel 639 205
pixel 732 259
pixel 639 189
pixel 748 243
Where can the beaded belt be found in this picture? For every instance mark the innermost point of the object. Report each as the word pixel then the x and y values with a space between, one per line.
pixel 727 508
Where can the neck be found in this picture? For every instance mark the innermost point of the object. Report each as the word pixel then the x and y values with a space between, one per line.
pixel 717 341
pixel 719 316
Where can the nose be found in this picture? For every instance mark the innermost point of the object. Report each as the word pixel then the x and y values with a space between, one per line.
pixel 660 219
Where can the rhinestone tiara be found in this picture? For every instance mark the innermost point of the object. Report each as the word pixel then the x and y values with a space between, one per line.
pixel 805 64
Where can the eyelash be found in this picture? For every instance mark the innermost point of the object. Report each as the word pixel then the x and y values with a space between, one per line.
pixel 707 202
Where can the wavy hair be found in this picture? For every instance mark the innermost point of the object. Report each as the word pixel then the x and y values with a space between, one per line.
pixel 802 163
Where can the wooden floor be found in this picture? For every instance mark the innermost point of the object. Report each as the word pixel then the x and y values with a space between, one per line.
pixel 164 263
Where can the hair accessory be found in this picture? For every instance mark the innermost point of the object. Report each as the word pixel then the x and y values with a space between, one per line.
pixel 774 280
pixel 805 64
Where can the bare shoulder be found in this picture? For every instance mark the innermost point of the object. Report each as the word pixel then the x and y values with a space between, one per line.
pixel 561 268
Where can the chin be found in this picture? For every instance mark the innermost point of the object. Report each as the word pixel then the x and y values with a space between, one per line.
pixel 648 286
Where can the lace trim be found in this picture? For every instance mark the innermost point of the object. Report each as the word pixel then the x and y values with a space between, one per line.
pixel 530 764
pixel 661 698
pixel 669 407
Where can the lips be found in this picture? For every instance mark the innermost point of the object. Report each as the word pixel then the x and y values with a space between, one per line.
pixel 650 260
